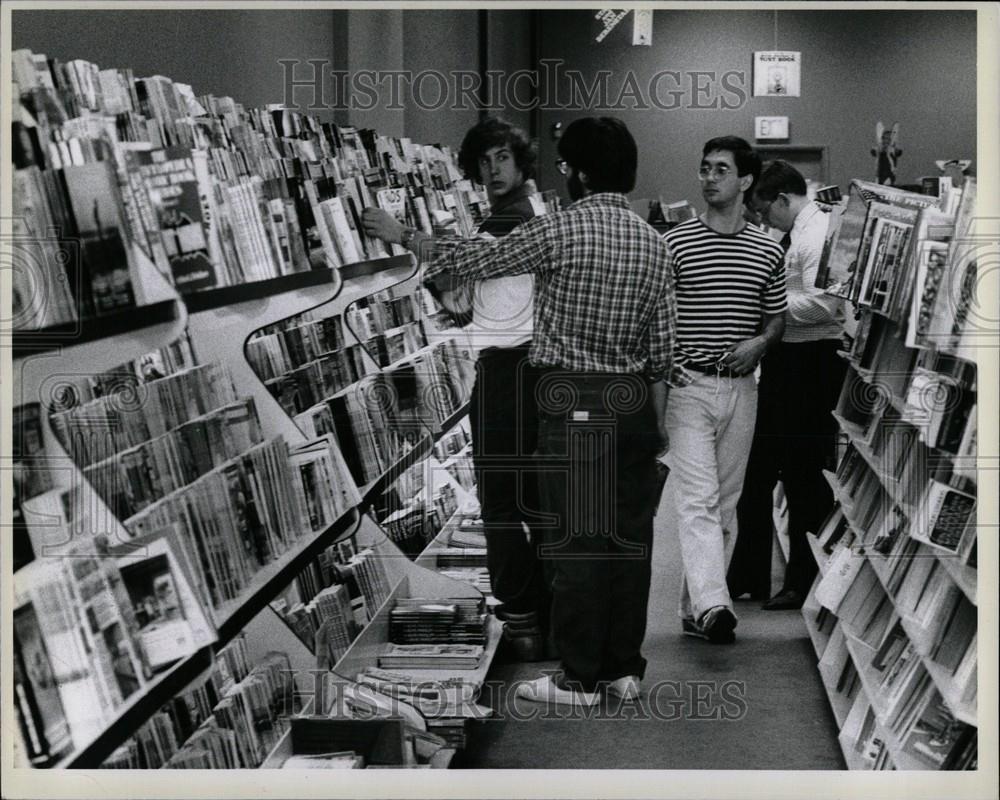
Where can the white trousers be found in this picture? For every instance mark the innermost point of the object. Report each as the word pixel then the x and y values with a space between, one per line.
pixel 711 424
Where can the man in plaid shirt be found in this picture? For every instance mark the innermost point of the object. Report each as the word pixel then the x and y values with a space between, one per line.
pixel 604 331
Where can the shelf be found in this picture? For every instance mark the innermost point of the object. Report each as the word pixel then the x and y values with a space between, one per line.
pixel 965 577
pixel 211 299
pixel 372 490
pixel 819 639
pixel 134 714
pixel 428 557
pixel 962 711
pixel 819 554
pixel 224 296
pixel 32 342
pixel 869 683
pixel 850 756
pixel 830 673
pixel 362 269
pixel 475 676
pixel 234 615
pixel 889 482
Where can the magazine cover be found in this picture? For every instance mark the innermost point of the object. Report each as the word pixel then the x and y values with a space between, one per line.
pixel 777 73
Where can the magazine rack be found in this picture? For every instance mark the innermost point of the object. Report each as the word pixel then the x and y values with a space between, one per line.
pixel 892 615
pixel 218 325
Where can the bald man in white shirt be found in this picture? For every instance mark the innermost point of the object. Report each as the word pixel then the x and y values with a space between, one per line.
pixel 800 382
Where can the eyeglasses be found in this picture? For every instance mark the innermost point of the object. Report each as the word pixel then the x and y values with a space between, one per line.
pixel 720 171
pixel 562 166
pixel 764 211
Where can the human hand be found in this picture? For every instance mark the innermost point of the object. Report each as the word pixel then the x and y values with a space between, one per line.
pixel 664 444
pixel 380 224
pixel 743 358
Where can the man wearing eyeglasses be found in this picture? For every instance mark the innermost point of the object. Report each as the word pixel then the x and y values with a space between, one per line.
pixel 603 342
pixel 799 385
pixel 730 285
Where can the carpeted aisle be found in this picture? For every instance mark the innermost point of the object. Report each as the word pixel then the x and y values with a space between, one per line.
pixel 758 704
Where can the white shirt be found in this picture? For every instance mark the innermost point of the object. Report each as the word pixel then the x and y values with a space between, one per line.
pixel 812 314
pixel 502 312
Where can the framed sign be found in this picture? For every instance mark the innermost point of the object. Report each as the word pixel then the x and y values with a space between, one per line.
pixel 777 73
pixel 771 127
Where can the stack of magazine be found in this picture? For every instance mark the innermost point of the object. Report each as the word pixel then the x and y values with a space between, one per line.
pixel 431 621
pixel 135 172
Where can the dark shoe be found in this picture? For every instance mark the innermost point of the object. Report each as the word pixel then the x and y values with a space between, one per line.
pixel 523 636
pixel 785 600
pixel 526 647
pixel 717 626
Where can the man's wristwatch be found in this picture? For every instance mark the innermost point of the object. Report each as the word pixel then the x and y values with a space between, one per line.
pixel 407 237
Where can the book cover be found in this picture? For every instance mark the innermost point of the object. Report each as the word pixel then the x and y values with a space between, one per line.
pixel 945 515
pixel 44 728
pixel 98 219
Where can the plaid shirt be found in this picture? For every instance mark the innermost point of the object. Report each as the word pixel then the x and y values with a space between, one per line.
pixel 604 294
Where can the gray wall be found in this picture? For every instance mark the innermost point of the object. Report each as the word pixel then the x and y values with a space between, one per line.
pixel 217 52
pixel 858 67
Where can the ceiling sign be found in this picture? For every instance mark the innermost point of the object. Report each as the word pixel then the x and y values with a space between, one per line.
pixel 609 19
pixel 642 27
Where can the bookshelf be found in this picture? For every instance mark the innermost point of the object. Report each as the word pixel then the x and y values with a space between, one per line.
pixel 892 614
pixel 281 241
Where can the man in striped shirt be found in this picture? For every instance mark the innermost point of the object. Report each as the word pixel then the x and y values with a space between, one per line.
pixel 730 285
pixel 603 339
pixel 799 385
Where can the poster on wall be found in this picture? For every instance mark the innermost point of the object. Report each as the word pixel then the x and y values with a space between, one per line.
pixel 776 73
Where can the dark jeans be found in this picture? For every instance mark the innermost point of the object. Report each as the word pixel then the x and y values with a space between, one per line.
pixel 597 440
pixel 794 441
pixel 504 437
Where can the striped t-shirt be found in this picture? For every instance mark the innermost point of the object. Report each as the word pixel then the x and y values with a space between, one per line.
pixel 723 284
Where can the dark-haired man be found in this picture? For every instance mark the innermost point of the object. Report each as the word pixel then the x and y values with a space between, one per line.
pixel 730 284
pixel 502 412
pixel 799 384
pixel 603 339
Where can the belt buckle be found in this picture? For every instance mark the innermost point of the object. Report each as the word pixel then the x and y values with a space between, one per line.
pixel 720 367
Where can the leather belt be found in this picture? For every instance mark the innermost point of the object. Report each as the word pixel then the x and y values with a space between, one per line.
pixel 712 369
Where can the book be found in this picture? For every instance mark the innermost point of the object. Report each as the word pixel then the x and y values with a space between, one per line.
pixel 97 218
pixel 160 584
pixel 944 517
pixel 41 718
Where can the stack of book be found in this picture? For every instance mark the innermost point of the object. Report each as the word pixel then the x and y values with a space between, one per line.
pixel 430 621
pixel 247 720
pixel 369 572
pixel 431 656
pixel 167 443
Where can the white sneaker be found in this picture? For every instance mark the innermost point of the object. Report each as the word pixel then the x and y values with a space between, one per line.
pixel 626 688
pixel 545 690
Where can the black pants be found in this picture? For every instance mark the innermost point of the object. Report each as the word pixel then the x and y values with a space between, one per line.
pixel 504 422
pixel 794 441
pixel 598 481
